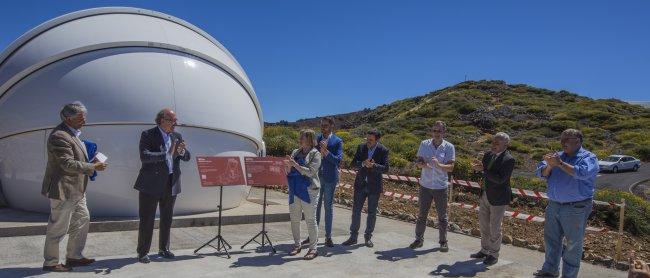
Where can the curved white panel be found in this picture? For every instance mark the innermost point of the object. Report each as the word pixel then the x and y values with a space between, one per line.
pixel 112 193
pixel 124 64
pixel 98 80
pixel 106 28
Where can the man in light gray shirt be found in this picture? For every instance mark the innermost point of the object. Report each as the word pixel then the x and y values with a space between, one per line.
pixel 436 158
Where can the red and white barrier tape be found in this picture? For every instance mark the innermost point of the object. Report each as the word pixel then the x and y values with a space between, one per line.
pixel 510 214
pixel 473 184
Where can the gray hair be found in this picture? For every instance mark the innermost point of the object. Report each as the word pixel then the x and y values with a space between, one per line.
pixel 503 136
pixel 161 114
pixel 573 132
pixel 72 109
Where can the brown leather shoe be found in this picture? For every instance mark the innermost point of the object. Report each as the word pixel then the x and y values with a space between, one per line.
pixel 57 268
pixel 78 262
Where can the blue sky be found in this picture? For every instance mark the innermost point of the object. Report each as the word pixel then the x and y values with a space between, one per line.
pixel 313 58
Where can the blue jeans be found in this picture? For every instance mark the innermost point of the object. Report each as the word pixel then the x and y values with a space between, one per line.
pixel 360 196
pixel 568 221
pixel 326 193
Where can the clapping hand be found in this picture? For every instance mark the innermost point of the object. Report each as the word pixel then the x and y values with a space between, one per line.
pixel 368 163
pixel 323 148
pixel 552 159
pixel 477 165
pixel 434 162
pixel 181 148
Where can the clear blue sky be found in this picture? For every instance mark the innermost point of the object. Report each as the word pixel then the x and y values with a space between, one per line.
pixel 343 56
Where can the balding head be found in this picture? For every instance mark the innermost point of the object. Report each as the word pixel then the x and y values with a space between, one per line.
pixel 166 119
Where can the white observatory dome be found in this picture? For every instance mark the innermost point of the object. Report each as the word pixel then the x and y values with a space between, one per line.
pixel 124 64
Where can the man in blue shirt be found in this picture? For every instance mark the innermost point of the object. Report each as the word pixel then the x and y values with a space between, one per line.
pixel 570 176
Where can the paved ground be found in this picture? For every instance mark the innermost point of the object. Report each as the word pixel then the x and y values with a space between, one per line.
pixel 622 181
pixel 389 257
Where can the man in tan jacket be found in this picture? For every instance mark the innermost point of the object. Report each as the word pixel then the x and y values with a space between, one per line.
pixel 65 181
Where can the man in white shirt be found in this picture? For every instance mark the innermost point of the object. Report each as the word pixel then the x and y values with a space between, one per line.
pixel 436 158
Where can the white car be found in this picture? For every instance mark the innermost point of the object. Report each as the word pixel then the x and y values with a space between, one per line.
pixel 616 163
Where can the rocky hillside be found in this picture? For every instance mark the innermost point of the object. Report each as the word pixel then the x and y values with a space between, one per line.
pixel 533 117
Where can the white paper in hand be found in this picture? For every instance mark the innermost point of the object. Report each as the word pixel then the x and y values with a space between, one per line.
pixel 101 157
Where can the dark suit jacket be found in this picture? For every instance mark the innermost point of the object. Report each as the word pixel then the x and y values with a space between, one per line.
pixel 329 167
pixel 154 173
pixel 380 157
pixel 497 178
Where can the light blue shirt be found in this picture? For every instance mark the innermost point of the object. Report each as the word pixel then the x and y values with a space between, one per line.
pixel 371 152
pixel 434 178
pixel 168 144
pixel 76 132
pixel 563 187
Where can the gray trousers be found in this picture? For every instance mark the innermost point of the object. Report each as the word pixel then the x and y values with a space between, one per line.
pixel 439 197
pixel 68 216
pixel 489 220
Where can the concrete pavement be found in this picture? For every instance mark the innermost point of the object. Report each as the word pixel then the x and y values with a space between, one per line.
pixel 115 251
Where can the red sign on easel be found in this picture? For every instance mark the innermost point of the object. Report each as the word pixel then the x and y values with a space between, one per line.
pixel 265 171
pixel 220 170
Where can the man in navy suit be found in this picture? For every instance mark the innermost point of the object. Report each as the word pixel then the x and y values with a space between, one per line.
pixel 370 161
pixel 331 149
pixel 161 150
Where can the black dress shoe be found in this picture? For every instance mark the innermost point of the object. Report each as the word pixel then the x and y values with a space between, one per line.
pixel 78 262
pixel 144 259
pixel 444 247
pixel 306 241
pixel 416 244
pixel 57 268
pixel 478 255
pixel 490 260
pixel 328 242
pixel 369 243
pixel 541 273
pixel 166 254
pixel 350 241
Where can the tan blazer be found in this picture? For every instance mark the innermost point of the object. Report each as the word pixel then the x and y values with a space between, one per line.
pixel 312 164
pixel 66 175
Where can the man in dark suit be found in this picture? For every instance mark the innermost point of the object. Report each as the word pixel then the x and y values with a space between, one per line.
pixel 161 150
pixel 495 196
pixel 370 161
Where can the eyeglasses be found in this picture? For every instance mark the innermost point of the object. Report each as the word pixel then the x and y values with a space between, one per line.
pixel 170 120
pixel 436 130
pixel 569 139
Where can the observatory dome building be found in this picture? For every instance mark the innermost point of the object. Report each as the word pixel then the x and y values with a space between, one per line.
pixel 124 64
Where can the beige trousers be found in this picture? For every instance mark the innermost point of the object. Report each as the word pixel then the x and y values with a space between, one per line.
pixel 67 216
pixel 296 211
pixel 489 219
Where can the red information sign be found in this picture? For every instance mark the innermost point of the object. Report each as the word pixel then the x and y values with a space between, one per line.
pixel 220 170
pixel 265 171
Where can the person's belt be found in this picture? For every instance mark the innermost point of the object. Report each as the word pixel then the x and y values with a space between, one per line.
pixel 573 203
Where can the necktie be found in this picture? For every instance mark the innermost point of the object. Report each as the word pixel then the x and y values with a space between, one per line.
pixel 492 159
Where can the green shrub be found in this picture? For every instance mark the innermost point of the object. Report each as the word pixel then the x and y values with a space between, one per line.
pixel 463 169
pixel 637 211
pixel 643 153
pixel 530 183
pixel 397 162
pixel 519 147
pixel 280 145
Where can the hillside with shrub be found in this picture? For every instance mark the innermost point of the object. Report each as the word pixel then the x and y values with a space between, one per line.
pixel 474 110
